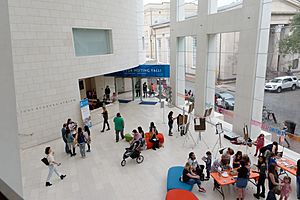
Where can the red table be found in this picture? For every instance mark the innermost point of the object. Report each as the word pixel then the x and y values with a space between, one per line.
pixel 222 181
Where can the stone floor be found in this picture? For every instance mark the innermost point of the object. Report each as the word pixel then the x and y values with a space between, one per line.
pixel 100 175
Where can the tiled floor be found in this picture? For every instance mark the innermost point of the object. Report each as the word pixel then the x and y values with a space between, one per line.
pixel 100 176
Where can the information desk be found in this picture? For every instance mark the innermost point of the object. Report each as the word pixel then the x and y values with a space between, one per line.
pixel 287 166
pixel 229 180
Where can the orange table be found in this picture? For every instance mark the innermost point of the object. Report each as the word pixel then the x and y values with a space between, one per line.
pixel 177 194
pixel 287 166
pixel 222 181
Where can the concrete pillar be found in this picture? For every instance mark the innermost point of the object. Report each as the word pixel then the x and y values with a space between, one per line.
pixel 180 10
pixel 180 68
pixel 252 61
pixel 10 167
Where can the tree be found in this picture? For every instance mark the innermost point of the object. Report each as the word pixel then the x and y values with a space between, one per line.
pixel 291 44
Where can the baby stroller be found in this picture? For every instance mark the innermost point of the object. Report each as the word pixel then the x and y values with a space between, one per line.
pixel 134 151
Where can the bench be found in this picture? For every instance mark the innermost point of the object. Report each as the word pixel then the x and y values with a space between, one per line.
pixel 173 179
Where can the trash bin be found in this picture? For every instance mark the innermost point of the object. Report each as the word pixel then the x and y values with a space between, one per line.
pixel 291 126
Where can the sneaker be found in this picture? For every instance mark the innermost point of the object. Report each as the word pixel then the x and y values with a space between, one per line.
pixel 108 129
pixel 255 155
pixel 62 176
pixel 262 195
pixel 202 190
pixel 88 150
pixel 256 195
pixel 170 134
pixel 48 184
pixel 206 179
pixel 102 131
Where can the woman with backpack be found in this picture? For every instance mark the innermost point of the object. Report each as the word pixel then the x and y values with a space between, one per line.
pixel 51 165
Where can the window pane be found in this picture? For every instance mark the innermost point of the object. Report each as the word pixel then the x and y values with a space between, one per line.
pixel 88 42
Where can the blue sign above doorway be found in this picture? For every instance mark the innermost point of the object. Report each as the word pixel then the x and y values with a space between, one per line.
pixel 154 70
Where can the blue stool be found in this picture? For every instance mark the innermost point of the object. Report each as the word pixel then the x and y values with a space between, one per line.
pixel 173 179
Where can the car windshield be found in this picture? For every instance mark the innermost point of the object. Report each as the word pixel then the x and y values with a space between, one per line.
pixel 230 99
pixel 226 96
pixel 276 81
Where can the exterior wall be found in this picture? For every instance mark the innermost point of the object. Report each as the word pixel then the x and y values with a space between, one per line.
pixel 154 13
pixel 10 167
pixel 45 66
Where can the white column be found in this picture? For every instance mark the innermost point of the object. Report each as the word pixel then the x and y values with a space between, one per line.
pixel 10 167
pixel 180 68
pixel 211 71
pixel 252 60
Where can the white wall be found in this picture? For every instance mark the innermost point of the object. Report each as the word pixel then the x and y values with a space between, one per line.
pixel 46 70
pixel 10 167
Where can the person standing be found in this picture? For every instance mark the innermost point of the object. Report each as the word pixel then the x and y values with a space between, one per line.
pixel 286 188
pixel 242 180
pixel 170 122
pixel 138 89
pixel 119 126
pixel 260 142
pixel 107 92
pixel 70 140
pixel 64 137
pixel 208 161
pixel 81 142
pixel 145 87
pixel 262 168
pixel 273 180
pixel 152 89
pixel 105 119
pixel 51 166
pixel 87 135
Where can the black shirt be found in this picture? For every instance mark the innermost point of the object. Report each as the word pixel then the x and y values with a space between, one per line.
pixel 271 185
pixel 185 177
pixel 170 118
pixel 243 172
pixel 105 115
pixel 298 172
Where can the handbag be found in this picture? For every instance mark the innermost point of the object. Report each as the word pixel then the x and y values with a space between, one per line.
pixel 45 161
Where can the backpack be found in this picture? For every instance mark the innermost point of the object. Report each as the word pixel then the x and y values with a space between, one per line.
pixel 45 161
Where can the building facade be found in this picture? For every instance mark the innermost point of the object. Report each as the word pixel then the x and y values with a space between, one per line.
pixel 252 21
pixel 227 47
pixel 55 44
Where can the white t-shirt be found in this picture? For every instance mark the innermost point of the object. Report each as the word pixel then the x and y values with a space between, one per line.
pixel 50 158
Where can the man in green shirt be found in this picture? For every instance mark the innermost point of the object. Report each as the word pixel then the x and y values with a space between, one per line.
pixel 119 126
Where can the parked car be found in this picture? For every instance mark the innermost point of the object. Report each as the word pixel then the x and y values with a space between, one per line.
pixel 281 83
pixel 226 99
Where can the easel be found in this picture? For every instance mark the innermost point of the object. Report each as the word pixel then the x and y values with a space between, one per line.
pixel 200 127
pixel 188 135
pixel 219 131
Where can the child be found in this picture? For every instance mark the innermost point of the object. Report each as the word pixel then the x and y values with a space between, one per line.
pixel 236 160
pixel 262 167
pixel 286 188
pixel 207 161
pixel 242 180
pixel 260 142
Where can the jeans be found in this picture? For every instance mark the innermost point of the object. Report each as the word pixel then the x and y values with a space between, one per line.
pixel 170 128
pixel 261 182
pixel 193 181
pixel 52 169
pixel 67 150
pixel 105 122
pixel 82 149
pixel 298 186
pixel 117 135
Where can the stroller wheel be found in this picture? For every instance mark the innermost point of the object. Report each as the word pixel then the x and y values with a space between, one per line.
pixel 140 159
pixel 123 163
